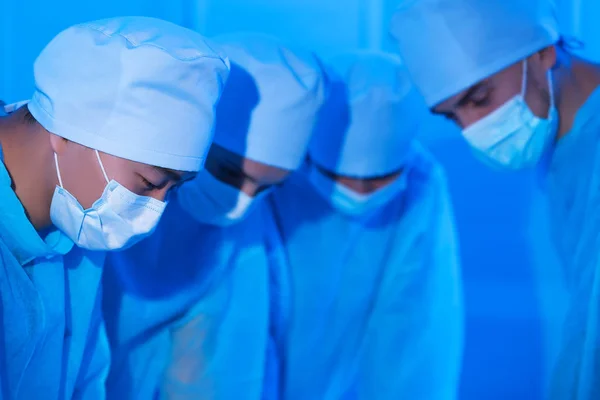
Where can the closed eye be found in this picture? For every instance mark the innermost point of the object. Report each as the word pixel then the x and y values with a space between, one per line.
pixel 147 184
pixel 481 102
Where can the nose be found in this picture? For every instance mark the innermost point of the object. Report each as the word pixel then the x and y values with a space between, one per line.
pixel 466 118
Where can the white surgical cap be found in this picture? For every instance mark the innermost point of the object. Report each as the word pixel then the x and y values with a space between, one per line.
pixel 269 105
pixel 134 87
pixel 449 45
pixel 370 118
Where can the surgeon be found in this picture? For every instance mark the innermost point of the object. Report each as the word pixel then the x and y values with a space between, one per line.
pixel 503 73
pixel 369 252
pixel 187 309
pixel 86 166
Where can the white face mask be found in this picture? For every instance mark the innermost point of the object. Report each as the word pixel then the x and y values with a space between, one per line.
pixel 512 136
pixel 213 202
pixel 117 220
pixel 350 202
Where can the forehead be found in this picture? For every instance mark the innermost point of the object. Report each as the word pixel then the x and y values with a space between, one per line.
pixel 263 171
pixel 225 158
pixel 174 175
pixel 171 174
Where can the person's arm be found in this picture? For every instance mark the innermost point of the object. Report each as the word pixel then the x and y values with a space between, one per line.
pixel 415 337
pixel 576 368
pixel 90 384
pixel 4 392
pixel 218 350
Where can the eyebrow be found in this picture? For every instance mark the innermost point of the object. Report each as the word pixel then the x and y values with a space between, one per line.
pixel 464 99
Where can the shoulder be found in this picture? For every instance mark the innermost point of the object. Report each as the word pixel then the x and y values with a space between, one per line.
pixel 426 176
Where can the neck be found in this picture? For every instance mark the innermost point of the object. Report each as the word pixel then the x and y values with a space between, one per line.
pixel 575 79
pixel 28 159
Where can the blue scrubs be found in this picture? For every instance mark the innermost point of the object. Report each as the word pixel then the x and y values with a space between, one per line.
pixel 187 311
pixel 573 186
pixel 52 339
pixel 370 308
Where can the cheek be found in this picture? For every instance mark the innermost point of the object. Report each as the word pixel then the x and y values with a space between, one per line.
pixel 124 172
pixel 503 94
pixel 249 187
pixel 126 178
pixel 468 116
pixel 355 185
pixel 81 175
pixel 117 169
pixel 272 176
pixel 538 100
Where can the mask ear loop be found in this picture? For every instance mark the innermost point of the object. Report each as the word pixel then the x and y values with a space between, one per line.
pixel 550 86
pixel 58 170
pixel 524 80
pixel 551 91
pixel 102 166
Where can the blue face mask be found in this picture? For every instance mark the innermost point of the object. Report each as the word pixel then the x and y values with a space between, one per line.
pixel 119 219
pixel 349 202
pixel 213 202
pixel 512 136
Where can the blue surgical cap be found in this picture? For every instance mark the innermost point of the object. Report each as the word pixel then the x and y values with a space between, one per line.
pixel 370 118
pixel 450 45
pixel 282 86
pixel 134 87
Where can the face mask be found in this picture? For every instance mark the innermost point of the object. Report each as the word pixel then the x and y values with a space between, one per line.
pixel 213 202
pixel 512 136
pixel 117 220
pixel 350 202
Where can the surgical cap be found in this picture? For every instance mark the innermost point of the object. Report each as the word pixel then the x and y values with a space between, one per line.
pixel 134 87
pixel 370 118
pixel 450 45
pixel 269 105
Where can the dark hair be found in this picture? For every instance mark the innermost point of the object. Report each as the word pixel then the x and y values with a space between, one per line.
pixel 568 43
pixel 29 118
pixel 565 46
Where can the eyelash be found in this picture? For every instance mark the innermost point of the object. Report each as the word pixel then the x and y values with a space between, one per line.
pixel 148 184
pixel 232 173
pixel 481 102
pixel 450 117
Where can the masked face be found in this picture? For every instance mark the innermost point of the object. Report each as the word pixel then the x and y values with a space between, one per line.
pixel 512 136
pixel 213 202
pixel 229 188
pixel 117 219
pixel 510 118
pixel 346 198
pixel 83 177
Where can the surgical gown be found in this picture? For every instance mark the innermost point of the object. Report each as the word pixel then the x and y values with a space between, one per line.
pixel 369 308
pixel 186 311
pixel 573 187
pixel 52 339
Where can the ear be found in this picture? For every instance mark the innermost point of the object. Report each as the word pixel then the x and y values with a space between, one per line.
pixel 58 144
